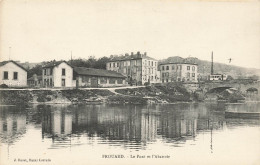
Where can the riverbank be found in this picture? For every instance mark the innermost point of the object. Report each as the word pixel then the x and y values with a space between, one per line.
pixel 169 93
pixel 131 95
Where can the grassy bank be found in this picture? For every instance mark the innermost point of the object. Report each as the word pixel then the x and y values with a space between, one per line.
pixel 161 93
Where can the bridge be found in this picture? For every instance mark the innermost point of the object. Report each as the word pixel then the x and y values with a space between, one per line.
pixel 243 87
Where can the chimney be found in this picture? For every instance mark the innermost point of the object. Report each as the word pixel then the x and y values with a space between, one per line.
pixel 144 53
pixel 132 53
pixel 212 70
pixel 138 53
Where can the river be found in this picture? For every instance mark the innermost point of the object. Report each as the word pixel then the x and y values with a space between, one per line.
pixel 184 133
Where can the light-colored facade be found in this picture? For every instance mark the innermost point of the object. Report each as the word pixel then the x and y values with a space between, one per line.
pixel 138 68
pixel 183 72
pixel 215 77
pixel 57 74
pixel 90 77
pixel 12 74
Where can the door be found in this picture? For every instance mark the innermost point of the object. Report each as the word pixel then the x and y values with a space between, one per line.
pixel 63 82
pixel 94 82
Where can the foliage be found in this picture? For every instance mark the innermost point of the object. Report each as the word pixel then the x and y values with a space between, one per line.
pixel 3 86
pixel 35 70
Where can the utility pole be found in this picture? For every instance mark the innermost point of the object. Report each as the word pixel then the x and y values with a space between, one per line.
pixel 212 70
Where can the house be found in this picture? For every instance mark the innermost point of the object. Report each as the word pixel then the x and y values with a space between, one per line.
pixel 179 71
pixel 220 77
pixel 57 74
pixel 35 81
pixel 13 74
pixel 90 77
pixel 138 68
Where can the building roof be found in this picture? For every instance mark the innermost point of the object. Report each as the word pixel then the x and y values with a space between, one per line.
pixel 5 62
pixel 97 72
pixel 130 57
pixel 178 63
pixel 54 64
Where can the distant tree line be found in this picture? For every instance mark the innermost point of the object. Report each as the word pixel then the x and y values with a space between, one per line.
pixel 91 62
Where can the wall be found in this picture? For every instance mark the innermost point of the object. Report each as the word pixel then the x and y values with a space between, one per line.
pixel 178 72
pixel 11 68
pixel 149 70
pixel 85 81
pixel 57 74
pixel 137 69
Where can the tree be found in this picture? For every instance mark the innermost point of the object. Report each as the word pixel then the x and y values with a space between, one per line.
pixel 35 70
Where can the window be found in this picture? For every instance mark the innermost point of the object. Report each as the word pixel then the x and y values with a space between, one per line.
pixel 44 71
pixel 112 81
pixel 63 72
pixel 118 64
pixel 50 71
pixel 114 64
pixel 149 63
pixel 193 74
pixel 103 80
pixel 85 79
pixel 167 67
pixel 152 63
pixel 119 81
pixel 193 68
pixel 110 65
pixel 172 67
pixel 188 67
pixel 162 67
pixel 188 75
pixel 15 75
pixel 5 75
pixel 50 81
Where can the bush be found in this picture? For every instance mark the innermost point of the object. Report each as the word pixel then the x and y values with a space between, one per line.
pixel 3 86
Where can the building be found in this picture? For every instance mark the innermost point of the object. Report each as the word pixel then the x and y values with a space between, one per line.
pixel 35 81
pixel 185 72
pixel 138 68
pixel 57 74
pixel 90 77
pixel 13 74
pixel 220 77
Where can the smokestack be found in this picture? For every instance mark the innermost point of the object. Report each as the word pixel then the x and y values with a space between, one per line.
pixel 212 70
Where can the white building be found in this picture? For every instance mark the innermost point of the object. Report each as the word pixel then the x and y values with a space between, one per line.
pixel 57 74
pixel 138 68
pixel 185 72
pixel 13 74
pixel 220 77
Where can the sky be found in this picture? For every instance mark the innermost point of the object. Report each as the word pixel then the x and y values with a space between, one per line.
pixel 41 30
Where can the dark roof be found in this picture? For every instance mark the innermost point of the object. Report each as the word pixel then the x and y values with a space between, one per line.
pixel 5 62
pixel 54 64
pixel 97 72
pixel 130 57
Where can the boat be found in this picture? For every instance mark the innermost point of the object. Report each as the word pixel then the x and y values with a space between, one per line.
pixel 242 115
pixel 93 100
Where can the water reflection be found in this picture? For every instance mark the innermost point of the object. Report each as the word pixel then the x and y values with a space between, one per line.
pixel 127 126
